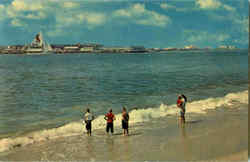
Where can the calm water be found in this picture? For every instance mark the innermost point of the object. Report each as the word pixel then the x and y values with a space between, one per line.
pixel 45 91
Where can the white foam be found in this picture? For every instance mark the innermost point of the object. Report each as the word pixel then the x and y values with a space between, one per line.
pixel 136 116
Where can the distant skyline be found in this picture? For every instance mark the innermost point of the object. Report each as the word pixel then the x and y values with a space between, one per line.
pixel 152 23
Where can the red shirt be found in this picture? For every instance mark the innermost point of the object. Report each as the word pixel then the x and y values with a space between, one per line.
pixel 179 102
pixel 110 117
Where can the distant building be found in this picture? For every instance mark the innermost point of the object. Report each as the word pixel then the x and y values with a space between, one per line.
pixel 207 48
pixel 16 47
pixel 12 49
pixel 87 49
pixel 138 49
pixel 72 47
pixel 115 49
pixel 76 48
pixel 222 47
pixel 3 47
pixel 169 49
pixel 227 47
pixel 190 47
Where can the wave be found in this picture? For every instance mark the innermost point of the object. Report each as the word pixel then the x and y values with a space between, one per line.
pixel 136 116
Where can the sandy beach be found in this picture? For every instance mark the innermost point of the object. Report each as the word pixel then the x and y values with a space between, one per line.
pixel 61 58
pixel 221 134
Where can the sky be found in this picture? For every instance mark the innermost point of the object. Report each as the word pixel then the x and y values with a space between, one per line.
pixel 149 23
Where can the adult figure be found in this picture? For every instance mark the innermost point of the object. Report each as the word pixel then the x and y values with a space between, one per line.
pixel 125 119
pixel 88 117
pixel 110 117
pixel 181 103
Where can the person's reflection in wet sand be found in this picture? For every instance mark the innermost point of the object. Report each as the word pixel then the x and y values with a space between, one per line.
pixel 185 142
pixel 90 148
pixel 125 145
pixel 110 147
pixel 183 131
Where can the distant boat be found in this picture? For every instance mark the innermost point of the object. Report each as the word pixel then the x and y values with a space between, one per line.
pixel 38 45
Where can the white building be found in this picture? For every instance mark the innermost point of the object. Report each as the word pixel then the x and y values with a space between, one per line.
pixel 87 49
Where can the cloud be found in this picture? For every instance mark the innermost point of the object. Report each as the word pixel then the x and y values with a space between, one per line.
pixel 27 10
pixel 238 22
pixel 243 24
pixel 135 10
pixel 229 8
pixel 77 19
pixel 27 5
pixel 91 19
pixel 18 23
pixel 70 5
pixel 138 14
pixel 167 6
pixel 208 4
pixel 238 25
pixel 38 15
pixel 212 5
pixel 2 12
pixel 67 13
pixel 196 37
pixel 1 7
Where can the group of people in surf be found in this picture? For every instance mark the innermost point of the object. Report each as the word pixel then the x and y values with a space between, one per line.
pixel 110 117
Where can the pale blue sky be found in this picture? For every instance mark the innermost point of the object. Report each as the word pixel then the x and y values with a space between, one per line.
pixel 152 23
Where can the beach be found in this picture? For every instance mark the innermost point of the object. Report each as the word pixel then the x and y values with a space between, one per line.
pixel 221 134
pixel 43 101
pixel 62 58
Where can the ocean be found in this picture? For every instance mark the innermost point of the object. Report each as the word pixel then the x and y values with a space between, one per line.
pixel 44 96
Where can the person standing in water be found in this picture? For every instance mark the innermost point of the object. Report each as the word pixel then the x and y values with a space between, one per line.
pixel 125 119
pixel 181 103
pixel 110 117
pixel 88 117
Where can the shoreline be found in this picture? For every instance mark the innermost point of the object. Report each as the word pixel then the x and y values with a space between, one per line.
pixel 219 135
pixel 146 51
pixel 138 116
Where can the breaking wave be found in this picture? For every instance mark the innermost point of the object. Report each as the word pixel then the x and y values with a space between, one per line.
pixel 136 116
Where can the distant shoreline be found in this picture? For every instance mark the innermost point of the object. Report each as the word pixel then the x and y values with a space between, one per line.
pixel 109 51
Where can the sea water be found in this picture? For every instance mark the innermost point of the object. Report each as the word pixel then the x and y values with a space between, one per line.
pixel 44 96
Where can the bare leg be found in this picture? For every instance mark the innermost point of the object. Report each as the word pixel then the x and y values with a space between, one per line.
pixel 181 122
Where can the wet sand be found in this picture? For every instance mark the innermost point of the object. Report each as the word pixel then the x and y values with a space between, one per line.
pixel 240 156
pixel 221 134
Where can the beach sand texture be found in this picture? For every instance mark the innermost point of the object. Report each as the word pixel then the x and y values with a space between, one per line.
pixel 221 134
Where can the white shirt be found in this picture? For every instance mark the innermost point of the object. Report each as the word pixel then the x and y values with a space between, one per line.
pixel 183 103
pixel 88 116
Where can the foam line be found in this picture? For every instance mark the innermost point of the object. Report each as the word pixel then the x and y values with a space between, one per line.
pixel 136 116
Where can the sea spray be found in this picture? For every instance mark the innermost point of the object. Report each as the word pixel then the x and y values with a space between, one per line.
pixel 136 116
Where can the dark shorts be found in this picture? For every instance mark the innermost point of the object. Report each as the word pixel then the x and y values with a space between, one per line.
pixel 110 126
pixel 182 112
pixel 88 124
pixel 124 124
